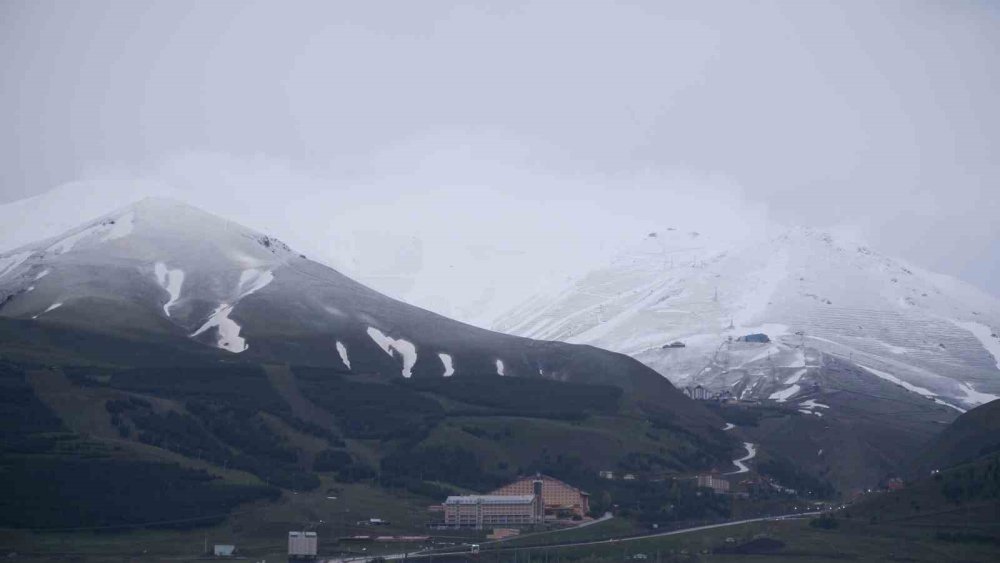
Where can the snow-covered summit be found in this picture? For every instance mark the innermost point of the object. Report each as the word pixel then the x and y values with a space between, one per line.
pixel 195 266
pixel 804 288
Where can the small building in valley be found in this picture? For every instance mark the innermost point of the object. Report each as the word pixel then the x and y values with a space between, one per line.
pixel 223 550
pixel 479 511
pixel 302 544
pixel 714 482
pixel 758 337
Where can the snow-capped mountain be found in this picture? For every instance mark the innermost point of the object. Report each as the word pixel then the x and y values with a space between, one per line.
pixel 681 302
pixel 161 271
pixel 470 278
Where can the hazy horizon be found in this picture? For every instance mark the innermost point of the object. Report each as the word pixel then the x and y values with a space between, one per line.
pixel 457 146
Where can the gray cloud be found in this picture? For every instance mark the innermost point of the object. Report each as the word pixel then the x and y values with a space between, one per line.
pixel 559 128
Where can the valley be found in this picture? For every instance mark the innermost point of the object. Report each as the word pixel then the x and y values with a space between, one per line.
pixel 200 379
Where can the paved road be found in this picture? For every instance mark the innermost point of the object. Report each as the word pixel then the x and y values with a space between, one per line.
pixel 751 453
pixel 611 541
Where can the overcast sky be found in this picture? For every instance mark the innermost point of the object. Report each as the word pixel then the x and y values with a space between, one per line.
pixel 515 128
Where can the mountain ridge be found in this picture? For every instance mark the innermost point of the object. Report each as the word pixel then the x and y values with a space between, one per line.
pixel 159 269
pixel 805 289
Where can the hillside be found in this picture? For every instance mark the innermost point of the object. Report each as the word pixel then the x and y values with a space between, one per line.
pixel 867 356
pixel 971 436
pixel 160 271
pixel 242 430
pixel 845 427
pixel 162 333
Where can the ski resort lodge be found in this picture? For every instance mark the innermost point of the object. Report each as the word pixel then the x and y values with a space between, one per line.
pixel 480 511
pixel 524 502
pixel 558 498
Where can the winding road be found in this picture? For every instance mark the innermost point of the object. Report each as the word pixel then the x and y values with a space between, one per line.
pixel 751 453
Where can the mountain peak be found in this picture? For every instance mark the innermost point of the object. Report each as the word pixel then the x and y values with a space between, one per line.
pixel 159 228
pixel 803 287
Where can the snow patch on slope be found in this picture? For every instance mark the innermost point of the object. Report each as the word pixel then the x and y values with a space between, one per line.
pixel 119 228
pixel 109 230
pixel 763 355
pixel 253 280
pixel 908 386
pixel 798 360
pixel 755 303
pixel 898 350
pixel 228 330
pixel 500 368
pixel 985 336
pixel 334 311
pixel 171 281
pixel 52 307
pixel 893 379
pixel 342 350
pixel 389 345
pixel 784 394
pixel 812 404
pixel 229 338
pixel 795 377
pixel 9 263
pixel 973 397
pixel 449 369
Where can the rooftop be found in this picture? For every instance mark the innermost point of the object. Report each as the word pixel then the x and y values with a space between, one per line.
pixel 491 499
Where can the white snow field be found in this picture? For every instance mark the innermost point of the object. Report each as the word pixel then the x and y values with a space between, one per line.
pixel 253 280
pixel 500 367
pixel 171 281
pixel 908 386
pixel 10 262
pixel 191 255
pixel 228 337
pixel 389 345
pixel 104 231
pixel 784 394
pixel 449 368
pixel 989 338
pixel 342 351
pixel 811 293
pixel 51 307
pixel 795 377
pixel 812 407
pixel 811 404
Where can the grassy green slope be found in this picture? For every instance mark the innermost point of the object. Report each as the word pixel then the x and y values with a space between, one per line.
pixel 972 435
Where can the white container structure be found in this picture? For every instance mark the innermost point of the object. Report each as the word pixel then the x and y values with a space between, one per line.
pixel 302 544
